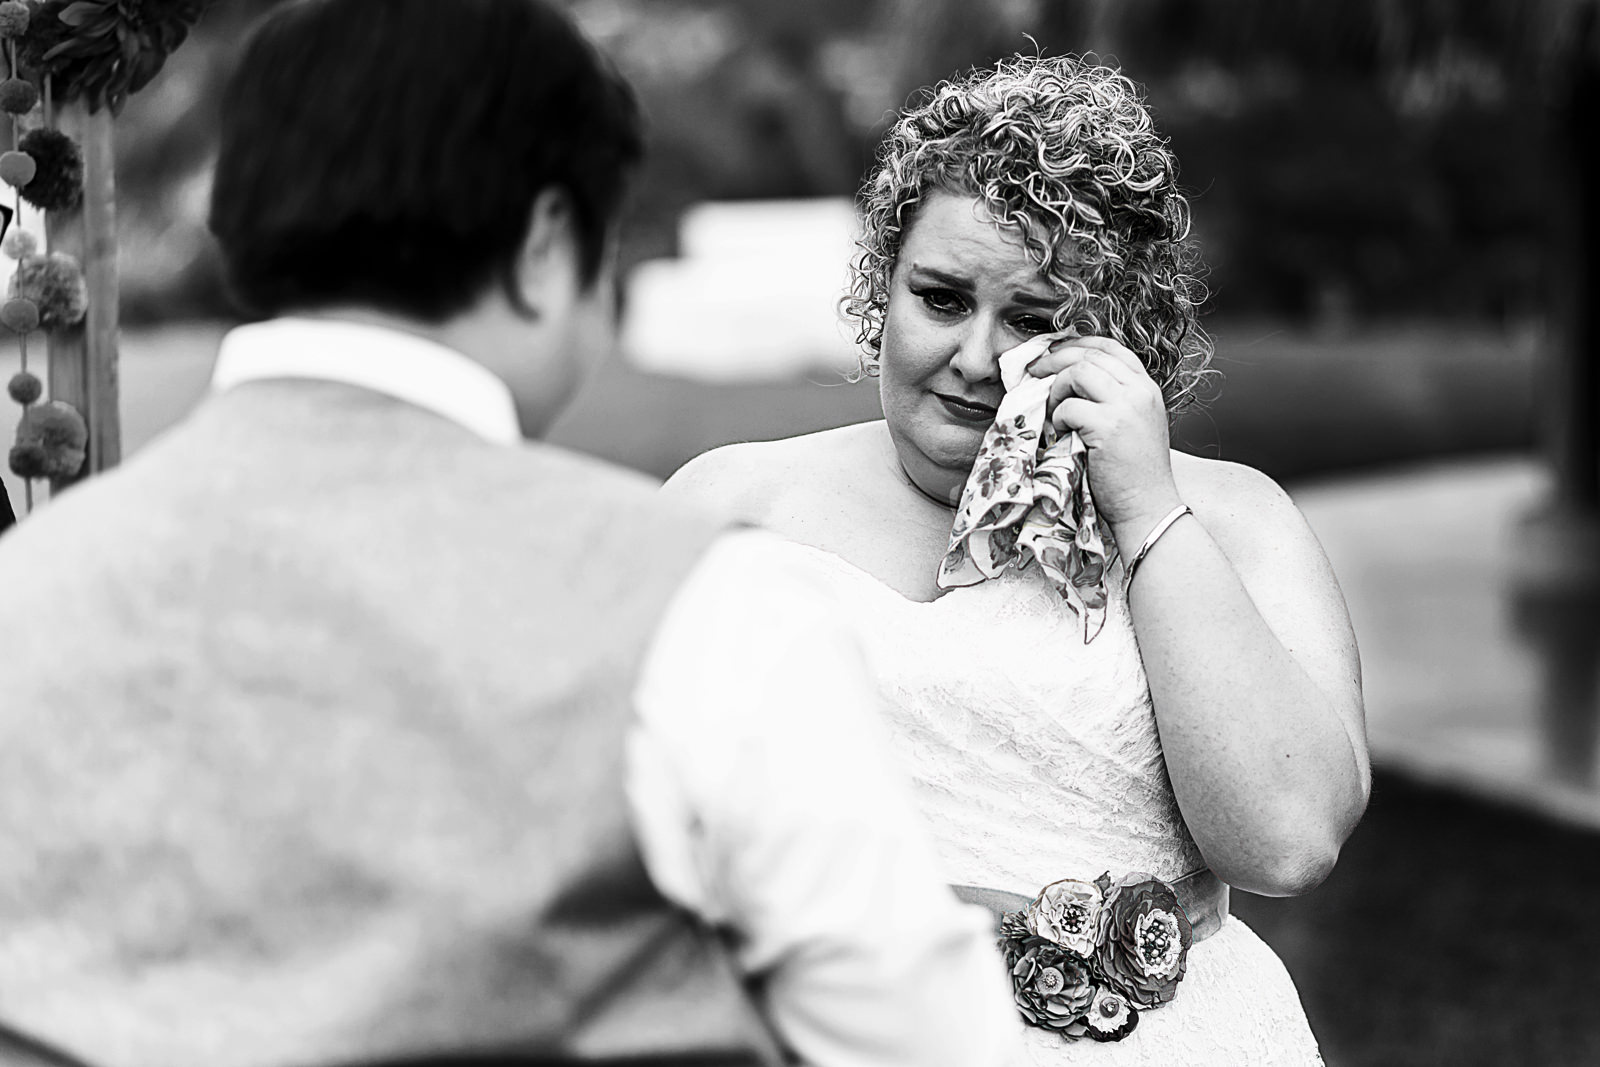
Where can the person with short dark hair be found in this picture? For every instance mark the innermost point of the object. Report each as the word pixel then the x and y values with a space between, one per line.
pixel 412 193
pixel 343 725
pixel 7 517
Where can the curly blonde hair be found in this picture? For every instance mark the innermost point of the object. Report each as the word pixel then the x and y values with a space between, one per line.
pixel 1065 152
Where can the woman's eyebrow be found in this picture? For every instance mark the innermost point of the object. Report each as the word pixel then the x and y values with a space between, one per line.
pixel 1036 300
pixel 954 281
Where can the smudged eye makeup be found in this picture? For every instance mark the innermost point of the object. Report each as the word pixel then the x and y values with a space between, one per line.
pixel 945 301
pixel 948 302
pixel 1032 324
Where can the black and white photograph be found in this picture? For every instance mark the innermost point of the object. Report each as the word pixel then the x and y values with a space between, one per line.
pixel 745 533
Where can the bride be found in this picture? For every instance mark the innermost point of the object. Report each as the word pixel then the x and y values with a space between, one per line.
pixel 1122 677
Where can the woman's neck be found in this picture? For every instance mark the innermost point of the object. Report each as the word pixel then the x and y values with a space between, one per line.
pixel 944 502
pixel 939 487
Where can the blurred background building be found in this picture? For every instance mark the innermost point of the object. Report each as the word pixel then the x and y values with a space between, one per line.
pixel 1396 199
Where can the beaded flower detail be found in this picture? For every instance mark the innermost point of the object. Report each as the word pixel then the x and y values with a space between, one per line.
pixel 1087 957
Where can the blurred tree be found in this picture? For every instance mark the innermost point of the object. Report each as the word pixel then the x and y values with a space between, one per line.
pixel 923 41
pixel 165 140
pixel 1540 59
pixel 741 101
pixel 1396 157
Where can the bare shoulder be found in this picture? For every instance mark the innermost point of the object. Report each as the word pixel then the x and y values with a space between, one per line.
pixel 1282 566
pixel 752 480
pixel 1217 483
pixel 1245 511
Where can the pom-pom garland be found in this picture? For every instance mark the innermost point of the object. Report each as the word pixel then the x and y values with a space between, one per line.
pixel 97 52
pixel 58 432
pixel 20 315
pixel 55 283
pixel 57 183
pixel 13 19
pixel 27 461
pixel 25 387
pixel 17 169
pixel 18 96
pixel 19 244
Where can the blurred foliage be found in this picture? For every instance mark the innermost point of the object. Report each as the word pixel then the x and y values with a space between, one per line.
pixel 1365 158
pixel 166 138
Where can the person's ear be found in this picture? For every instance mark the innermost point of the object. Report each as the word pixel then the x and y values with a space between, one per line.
pixel 548 267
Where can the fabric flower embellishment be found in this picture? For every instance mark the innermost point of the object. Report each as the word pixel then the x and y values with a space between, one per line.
pixel 1051 988
pixel 1144 939
pixel 1068 913
pixel 1086 958
pixel 1110 1017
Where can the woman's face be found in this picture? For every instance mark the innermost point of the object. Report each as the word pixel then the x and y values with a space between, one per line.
pixel 963 291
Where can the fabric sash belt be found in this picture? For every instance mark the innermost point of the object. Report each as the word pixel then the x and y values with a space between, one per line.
pixel 1203 895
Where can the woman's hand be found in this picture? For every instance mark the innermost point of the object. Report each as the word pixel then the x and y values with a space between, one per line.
pixel 1103 391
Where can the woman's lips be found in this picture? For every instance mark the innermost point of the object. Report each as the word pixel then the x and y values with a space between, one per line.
pixel 966 410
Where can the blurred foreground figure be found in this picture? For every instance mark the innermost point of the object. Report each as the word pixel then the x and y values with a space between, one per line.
pixel 7 516
pixel 344 726
pixel 1123 677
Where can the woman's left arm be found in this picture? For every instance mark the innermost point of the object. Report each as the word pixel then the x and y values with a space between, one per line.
pixel 1243 632
pixel 1255 679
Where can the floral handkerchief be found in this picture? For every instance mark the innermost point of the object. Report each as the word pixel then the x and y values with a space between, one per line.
pixel 1027 500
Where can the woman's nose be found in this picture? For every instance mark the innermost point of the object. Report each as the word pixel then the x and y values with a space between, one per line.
pixel 977 354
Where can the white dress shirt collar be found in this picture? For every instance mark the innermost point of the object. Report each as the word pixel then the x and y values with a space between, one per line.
pixel 405 366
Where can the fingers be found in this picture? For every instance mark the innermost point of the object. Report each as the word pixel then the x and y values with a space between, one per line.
pixel 1119 352
pixel 1116 359
pixel 1034 348
pixel 1074 413
pixel 1089 380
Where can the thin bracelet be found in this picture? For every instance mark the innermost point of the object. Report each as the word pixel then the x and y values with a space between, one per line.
pixel 1150 540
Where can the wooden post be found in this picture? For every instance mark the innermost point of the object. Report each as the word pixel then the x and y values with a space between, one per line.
pixel 1575 409
pixel 83 358
pixel 1556 560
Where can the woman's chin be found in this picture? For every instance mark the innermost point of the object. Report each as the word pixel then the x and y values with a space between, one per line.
pixel 952 448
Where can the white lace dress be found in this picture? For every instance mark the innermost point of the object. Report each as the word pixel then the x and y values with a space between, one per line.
pixel 1035 757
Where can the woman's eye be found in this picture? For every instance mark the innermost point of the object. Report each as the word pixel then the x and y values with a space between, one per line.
pixel 942 300
pixel 1032 324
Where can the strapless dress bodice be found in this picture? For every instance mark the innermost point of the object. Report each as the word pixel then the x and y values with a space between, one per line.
pixel 1035 756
